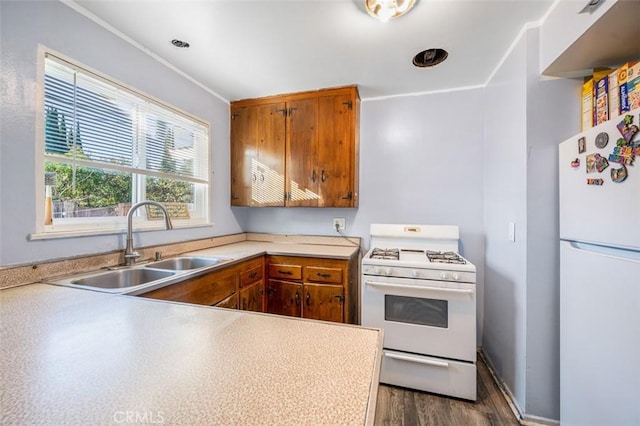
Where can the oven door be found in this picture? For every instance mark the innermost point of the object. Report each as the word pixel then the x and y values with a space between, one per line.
pixel 422 316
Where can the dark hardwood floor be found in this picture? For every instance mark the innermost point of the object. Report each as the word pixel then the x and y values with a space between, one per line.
pixel 399 406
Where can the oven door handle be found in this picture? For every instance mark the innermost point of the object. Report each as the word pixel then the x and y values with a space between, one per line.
pixel 417 360
pixel 417 287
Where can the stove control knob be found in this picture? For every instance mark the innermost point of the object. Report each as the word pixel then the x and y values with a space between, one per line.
pixel 415 274
pixel 382 271
pixel 456 277
pixel 444 276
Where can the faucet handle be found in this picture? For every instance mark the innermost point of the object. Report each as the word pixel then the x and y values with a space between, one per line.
pixel 131 257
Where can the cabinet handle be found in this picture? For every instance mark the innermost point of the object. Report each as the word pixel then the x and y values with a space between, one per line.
pixel 284 272
pixel 271 290
pixel 253 177
pixel 308 297
pixel 340 298
pixel 284 112
pixel 262 177
pixel 297 299
pixel 348 104
pixel 234 197
pixel 253 274
pixel 290 112
pixel 313 177
pixel 323 176
pixel 348 196
pixel 323 275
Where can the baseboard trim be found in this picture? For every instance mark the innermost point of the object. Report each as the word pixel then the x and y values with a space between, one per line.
pixel 523 419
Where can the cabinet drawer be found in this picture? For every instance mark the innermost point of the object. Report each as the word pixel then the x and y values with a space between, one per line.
pixel 250 276
pixel 290 272
pixel 322 275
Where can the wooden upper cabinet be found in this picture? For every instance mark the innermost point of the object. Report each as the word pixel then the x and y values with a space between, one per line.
pixel 302 154
pixel 337 164
pixel 257 155
pixel 296 150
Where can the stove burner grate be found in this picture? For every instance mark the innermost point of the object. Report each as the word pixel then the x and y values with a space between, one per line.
pixel 385 254
pixel 445 257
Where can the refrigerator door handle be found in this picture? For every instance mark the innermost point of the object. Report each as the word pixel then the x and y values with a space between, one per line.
pixel 618 252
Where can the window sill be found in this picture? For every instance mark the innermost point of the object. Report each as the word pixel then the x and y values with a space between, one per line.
pixel 93 233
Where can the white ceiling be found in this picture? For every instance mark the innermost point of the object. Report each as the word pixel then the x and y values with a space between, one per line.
pixel 244 49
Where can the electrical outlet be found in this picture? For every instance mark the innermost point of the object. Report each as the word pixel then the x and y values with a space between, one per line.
pixel 339 224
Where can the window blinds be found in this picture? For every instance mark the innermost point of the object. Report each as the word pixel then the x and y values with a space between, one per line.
pixel 92 122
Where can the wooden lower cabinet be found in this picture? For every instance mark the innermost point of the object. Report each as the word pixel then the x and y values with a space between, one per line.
pixel 314 288
pixel 323 302
pixel 307 287
pixel 230 302
pixel 208 289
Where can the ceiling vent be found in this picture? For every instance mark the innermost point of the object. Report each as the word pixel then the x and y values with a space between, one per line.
pixel 429 58
pixel 179 43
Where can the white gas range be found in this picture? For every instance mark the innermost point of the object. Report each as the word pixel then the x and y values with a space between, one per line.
pixel 418 289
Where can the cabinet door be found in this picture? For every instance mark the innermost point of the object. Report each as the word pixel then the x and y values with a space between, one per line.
pixel 251 297
pixel 323 302
pixel 303 176
pixel 284 298
pixel 208 289
pixel 336 150
pixel 230 302
pixel 257 155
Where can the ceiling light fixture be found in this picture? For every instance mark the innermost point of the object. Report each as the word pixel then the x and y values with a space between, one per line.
pixel 388 9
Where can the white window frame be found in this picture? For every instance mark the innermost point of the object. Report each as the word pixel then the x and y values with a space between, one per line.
pixel 103 225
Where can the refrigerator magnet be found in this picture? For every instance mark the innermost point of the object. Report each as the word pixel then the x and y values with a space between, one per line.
pixel 601 163
pixel 596 182
pixel 575 163
pixel 602 140
pixel 582 145
pixel 619 175
pixel 591 163
pixel 627 129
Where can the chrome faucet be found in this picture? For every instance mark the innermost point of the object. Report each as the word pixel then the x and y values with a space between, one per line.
pixel 130 255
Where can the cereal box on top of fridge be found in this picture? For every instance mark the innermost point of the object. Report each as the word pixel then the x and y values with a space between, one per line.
pixel 587 104
pixel 623 89
pixel 614 95
pixel 633 86
pixel 602 100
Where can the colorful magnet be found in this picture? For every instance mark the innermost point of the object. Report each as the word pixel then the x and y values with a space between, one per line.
pixel 619 175
pixel 601 163
pixel 602 140
pixel 591 163
pixel 627 130
pixel 595 182
pixel 623 155
pixel 575 163
pixel 582 145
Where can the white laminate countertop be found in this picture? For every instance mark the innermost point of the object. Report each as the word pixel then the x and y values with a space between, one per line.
pixel 73 356
pixel 251 248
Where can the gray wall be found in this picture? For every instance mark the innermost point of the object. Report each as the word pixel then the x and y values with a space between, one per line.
pixel 421 161
pixel 526 118
pixel 24 25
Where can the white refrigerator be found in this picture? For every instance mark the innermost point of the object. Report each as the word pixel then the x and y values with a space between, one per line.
pixel 599 193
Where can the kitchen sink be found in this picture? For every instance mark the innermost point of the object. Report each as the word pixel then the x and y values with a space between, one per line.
pixel 185 263
pixel 123 278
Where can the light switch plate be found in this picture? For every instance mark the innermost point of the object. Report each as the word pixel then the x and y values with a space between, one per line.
pixel 512 232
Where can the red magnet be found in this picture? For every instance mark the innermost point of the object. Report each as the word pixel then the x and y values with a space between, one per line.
pixel 575 163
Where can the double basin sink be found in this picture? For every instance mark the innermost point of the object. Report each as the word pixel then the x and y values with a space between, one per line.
pixel 145 277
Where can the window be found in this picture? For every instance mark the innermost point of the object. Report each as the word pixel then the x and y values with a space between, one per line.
pixel 107 147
